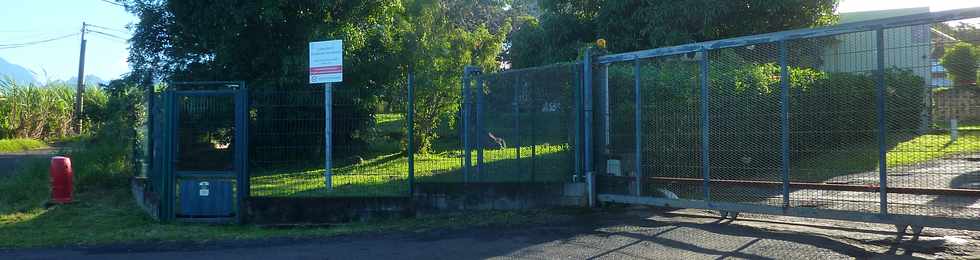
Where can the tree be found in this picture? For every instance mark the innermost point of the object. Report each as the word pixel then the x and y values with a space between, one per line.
pixel 264 42
pixel 437 49
pixel 629 25
pixel 960 62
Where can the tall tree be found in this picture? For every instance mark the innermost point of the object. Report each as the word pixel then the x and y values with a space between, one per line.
pixel 628 25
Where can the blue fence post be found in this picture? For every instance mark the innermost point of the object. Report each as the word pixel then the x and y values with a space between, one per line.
pixel 587 125
pixel 241 149
pixel 579 148
pixel 532 115
pixel 882 127
pixel 705 124
pixel 517 126
pixel 466 111
pixel 638 127
pixel 784 119
pixel 411 132
pixel 480 132
pixel 169 195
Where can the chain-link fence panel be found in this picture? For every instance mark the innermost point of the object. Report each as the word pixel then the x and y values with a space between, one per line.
pixel 671 126
pixel 521 126
pixel 932 150
pixel 287 138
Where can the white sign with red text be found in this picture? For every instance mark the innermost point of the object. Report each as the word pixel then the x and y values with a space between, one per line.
pixel 326 61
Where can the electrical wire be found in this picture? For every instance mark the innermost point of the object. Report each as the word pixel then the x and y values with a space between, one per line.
pixel 107 28
pixel 113 39
pixel 113 3
pixel 107 34
pixel 26 44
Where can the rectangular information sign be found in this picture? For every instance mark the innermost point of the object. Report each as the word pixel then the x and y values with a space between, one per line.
pixel 326 61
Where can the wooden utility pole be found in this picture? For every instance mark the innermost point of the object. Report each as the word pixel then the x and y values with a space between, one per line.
pixel 80 88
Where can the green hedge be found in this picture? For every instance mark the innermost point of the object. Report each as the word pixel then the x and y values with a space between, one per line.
pixel 829 112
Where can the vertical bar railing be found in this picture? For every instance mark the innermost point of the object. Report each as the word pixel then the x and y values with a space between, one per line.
pixel 705 124
pixel 784 119
pixel 882 128
pixel 637 129
pixel 411 132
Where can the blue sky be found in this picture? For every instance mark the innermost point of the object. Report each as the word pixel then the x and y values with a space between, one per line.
pixel 32 20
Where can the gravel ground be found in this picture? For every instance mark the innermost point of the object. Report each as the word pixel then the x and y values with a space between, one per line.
pixel 636 233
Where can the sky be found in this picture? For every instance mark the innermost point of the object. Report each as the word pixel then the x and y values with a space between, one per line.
pixel 33 20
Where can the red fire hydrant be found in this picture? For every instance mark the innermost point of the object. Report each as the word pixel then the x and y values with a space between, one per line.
pixel 61 179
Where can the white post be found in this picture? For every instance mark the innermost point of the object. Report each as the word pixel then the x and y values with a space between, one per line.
pixel 953 130
pixel 328 136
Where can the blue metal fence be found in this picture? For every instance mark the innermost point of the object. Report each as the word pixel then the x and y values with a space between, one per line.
pixel 835 122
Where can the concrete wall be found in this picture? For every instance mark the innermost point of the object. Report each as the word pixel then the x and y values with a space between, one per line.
pixel 429 198
pixel 146 200
pixel 960 103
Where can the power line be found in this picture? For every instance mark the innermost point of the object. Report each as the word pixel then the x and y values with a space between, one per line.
pixel 107 28
pixel 113 39
pixel 107 34
pixel 26 44
pixel 113 3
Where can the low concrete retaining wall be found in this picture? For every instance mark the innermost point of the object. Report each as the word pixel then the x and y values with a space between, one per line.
pixel 441 197
pixel 146 200
pixel 429 198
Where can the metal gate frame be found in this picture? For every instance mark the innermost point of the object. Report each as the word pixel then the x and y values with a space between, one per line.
pixel 170 175
pixel 593 153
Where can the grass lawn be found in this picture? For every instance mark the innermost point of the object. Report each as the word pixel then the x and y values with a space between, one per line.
pixel 863 159
pixel 962 126
pixel 109 215
pixel 20 144
pixel 387 174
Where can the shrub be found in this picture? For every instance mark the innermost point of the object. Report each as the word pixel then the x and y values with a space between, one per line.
pixel 960 62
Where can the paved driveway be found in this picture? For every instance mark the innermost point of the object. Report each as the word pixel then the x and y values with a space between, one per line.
pixel 624 234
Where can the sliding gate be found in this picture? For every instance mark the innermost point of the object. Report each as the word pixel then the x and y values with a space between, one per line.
pixel 866 121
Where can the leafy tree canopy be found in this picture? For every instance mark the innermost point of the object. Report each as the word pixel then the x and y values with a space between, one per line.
pixel 567 25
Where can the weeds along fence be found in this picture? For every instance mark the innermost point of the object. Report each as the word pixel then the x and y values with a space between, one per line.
pixel 841 119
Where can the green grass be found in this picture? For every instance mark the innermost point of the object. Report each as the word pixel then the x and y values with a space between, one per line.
pixel 387 174
pixel 962 126
pixel 851 160
pixel 111 216
pixel 20 144
pixel 105 212
pixel 932 146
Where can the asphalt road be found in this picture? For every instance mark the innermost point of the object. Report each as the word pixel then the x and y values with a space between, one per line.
pixel 624 234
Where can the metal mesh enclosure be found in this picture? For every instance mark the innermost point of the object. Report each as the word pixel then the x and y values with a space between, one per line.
pixel 878 121
pixel 520 125
pixel 287 137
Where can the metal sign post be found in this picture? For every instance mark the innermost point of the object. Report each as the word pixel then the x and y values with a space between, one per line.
pixel 326 66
